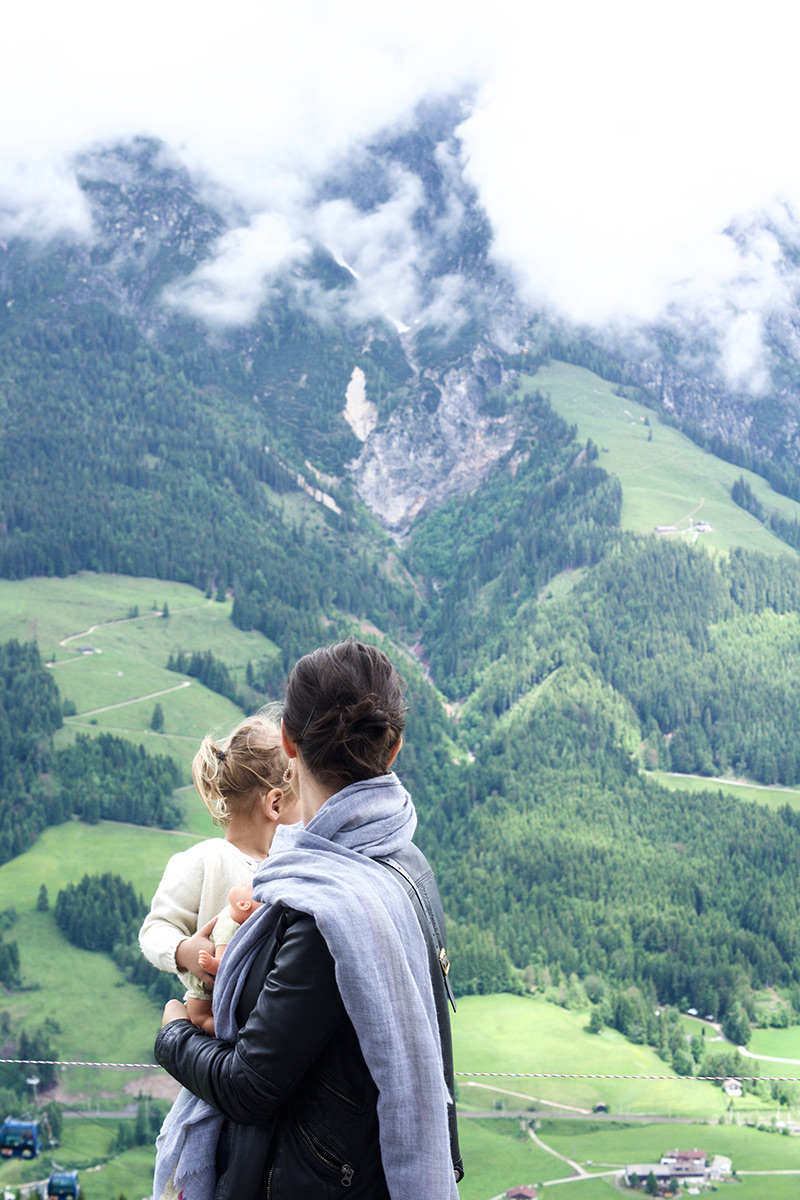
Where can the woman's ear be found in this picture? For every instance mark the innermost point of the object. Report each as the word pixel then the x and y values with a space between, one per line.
pixel 289 746
pixel 395 750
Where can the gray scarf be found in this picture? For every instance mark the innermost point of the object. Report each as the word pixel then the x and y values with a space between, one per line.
pixel 381 962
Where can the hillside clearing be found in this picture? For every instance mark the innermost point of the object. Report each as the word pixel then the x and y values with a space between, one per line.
pixel 113 666
pixel 666 479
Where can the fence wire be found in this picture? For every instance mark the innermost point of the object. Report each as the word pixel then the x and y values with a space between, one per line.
pixel 44 1062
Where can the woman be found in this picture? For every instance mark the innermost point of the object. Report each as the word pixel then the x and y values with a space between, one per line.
pixel 332 1066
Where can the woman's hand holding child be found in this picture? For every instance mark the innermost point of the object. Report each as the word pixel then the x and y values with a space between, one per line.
pixel 174 1010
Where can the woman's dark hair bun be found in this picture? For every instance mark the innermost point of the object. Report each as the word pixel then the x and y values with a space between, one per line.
pixel 345 707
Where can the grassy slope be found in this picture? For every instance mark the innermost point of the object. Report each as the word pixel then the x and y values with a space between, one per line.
pixel 613 1145
pixel 778 1043
pixel 664 481
pixel 773 1187
pixel 513 1033
pixel 771 797
pixel 497 1155
pixel 498 1033
pixel 130 655
pixel 102 1018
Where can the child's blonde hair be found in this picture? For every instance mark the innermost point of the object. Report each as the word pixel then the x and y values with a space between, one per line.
pixel 231 773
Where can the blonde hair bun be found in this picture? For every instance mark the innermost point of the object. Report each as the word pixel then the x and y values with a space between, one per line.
pixel 233 772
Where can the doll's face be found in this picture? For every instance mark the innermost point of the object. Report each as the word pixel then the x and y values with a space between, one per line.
pixel 241 901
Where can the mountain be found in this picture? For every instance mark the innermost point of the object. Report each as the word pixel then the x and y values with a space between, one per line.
pixel 354 423
pixel 392 292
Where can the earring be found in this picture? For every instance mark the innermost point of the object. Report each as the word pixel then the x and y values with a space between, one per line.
pixel 288 774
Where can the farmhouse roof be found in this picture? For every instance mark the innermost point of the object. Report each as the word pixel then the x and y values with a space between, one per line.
pixel 660 1170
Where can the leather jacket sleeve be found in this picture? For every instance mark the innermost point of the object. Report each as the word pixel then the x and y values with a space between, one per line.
pixel 296 1012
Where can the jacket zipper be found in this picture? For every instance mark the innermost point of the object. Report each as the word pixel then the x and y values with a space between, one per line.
pixel 269 1183
pixel 327 1156
pixel 341 1095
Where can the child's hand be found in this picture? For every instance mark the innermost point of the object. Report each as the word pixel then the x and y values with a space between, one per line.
pixel 187 954
pixel 174 1011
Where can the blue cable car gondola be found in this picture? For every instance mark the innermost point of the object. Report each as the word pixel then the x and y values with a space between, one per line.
pixel 63 1184
pixel 20 1139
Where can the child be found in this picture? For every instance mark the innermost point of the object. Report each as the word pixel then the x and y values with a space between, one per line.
pixel 241 782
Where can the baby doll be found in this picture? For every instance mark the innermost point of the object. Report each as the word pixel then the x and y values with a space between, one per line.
pixel 241 905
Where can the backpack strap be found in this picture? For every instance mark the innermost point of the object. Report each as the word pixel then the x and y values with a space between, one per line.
pixel 433 926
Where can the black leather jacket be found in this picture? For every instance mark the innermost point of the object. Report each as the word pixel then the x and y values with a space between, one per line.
pixel 300 1104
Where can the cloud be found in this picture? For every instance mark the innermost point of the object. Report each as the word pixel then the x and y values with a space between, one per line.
pixel 230 287
pixel 256 93
pixel 40 199
pixel 386 250
pixel 611 145
pixel 729 315
pixel 381 248
pixel 643 133
pixel 742 353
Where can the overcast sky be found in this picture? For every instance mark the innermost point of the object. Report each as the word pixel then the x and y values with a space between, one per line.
pixel 611 143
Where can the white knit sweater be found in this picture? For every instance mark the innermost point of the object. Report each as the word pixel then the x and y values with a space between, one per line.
pixel 193 889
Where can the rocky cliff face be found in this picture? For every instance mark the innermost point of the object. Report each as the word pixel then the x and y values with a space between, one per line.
pixel 417 460
pixel 149 226
pixel 693 398
pixel 767 424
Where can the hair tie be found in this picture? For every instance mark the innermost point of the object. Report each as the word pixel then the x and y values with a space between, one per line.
pixel 220 754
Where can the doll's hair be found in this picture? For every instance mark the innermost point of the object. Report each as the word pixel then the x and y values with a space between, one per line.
pixel 231 773
pixel 345 708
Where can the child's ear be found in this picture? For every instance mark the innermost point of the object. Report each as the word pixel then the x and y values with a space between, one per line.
pixel 273 804
pixel 243 905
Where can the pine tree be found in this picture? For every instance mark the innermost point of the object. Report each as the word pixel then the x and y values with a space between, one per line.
pixel 141 1132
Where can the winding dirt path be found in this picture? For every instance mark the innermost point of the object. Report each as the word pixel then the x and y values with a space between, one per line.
pixel 576 1167
pixel 521 1096
pixel 73 637
pixel 137 699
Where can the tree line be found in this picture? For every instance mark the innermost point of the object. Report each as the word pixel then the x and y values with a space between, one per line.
pixel 210 671
pixel 103 913
pixel 99 911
